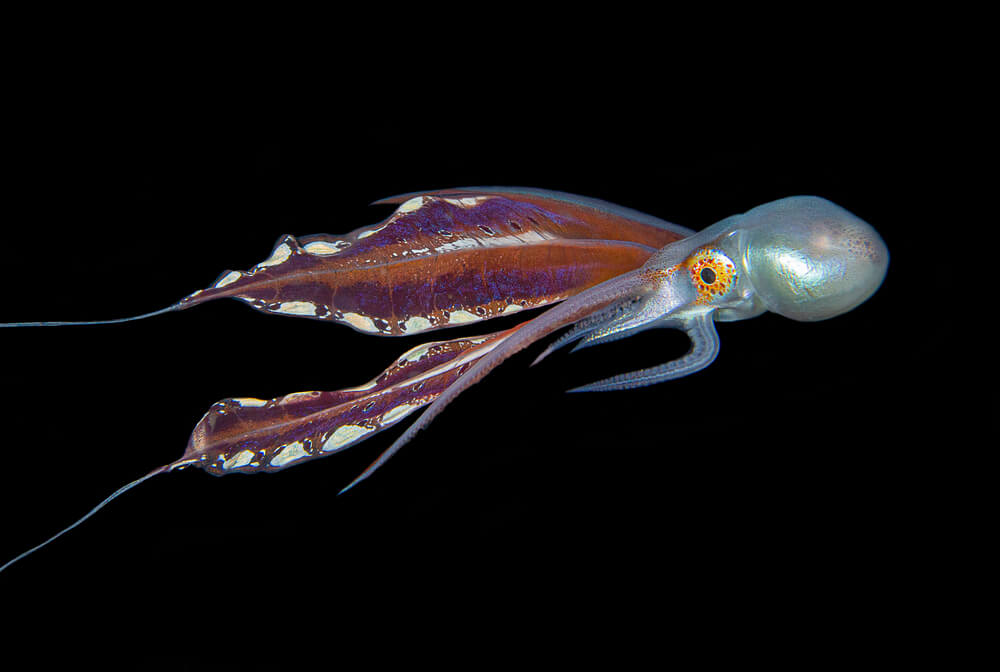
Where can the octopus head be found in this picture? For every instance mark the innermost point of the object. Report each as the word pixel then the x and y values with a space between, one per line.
pixel 809 259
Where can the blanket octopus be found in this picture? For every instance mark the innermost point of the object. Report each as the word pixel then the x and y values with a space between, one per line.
pixel 455 256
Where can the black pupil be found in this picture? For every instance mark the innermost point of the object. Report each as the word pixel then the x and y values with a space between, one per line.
pixel 707 276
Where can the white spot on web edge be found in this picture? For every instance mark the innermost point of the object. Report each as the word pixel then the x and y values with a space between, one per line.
pixel 288 454
pixel 462 317
pixel 249 402
pixel 345 435
pixel 240 459
pixel 322 248
pixel 468 201
pixel 280 255
pixel 297 308
pixel 372 231
pixel 399 412
pixel 228 279
pixel 411 205
pixel 361 322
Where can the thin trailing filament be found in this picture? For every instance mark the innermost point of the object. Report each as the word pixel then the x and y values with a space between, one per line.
pixel 119 491
pixel 168 309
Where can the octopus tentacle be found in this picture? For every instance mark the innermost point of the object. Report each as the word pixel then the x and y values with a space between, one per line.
pixel 614 313
pixel 568 312
pixel 704 348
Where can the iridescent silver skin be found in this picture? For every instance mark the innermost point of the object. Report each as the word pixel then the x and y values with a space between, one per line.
pixel 809 259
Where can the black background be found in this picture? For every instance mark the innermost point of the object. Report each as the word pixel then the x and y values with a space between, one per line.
pixel 777 479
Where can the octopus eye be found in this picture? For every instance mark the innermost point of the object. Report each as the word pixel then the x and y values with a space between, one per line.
pixel 713 274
